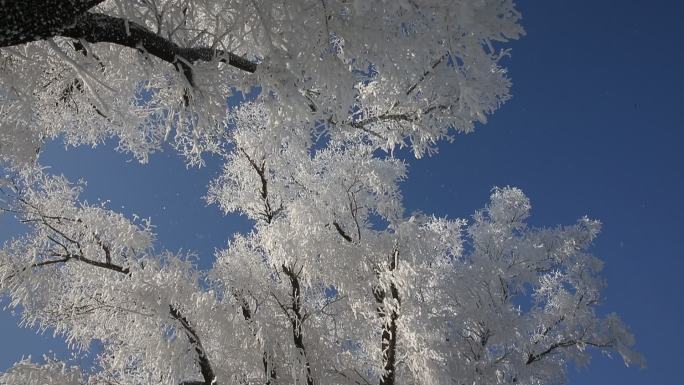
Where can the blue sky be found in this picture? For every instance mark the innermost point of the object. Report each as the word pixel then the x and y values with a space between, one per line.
pixel 595 128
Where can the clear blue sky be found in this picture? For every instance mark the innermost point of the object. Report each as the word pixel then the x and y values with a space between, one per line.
pixel 595 127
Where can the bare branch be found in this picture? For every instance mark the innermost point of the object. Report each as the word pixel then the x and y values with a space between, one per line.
pixel 389 328
pixel 533 357
pixel 33 20
pixel 425 74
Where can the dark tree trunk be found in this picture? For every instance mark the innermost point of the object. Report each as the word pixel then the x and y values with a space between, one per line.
pixel 202 359
pixel 389 328
pixel 296 320
pixel 24 21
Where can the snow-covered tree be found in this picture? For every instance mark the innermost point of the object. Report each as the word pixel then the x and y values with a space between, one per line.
pixel 146 70
pixel 336 283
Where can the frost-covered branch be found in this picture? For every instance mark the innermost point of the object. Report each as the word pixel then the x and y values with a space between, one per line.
pixel 297 317
pixel 202 358
pixel 24 22
pixel 101 28
pixel 389 303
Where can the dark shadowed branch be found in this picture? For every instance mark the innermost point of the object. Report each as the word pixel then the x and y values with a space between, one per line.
pixel 24 21
pixel 33 20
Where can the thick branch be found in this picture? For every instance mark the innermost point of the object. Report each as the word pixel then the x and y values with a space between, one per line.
pixel 32 20
pixel 104 265
pixel 101 28
pixel 202 359
pixel 389 348
pixel 397 117
pixel 342 233
pixel 23 21
pixel 297 319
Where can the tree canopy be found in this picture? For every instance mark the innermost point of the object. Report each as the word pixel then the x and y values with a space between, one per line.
pixel 335 283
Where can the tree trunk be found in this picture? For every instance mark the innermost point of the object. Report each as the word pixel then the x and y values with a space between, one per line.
pixel 23 21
